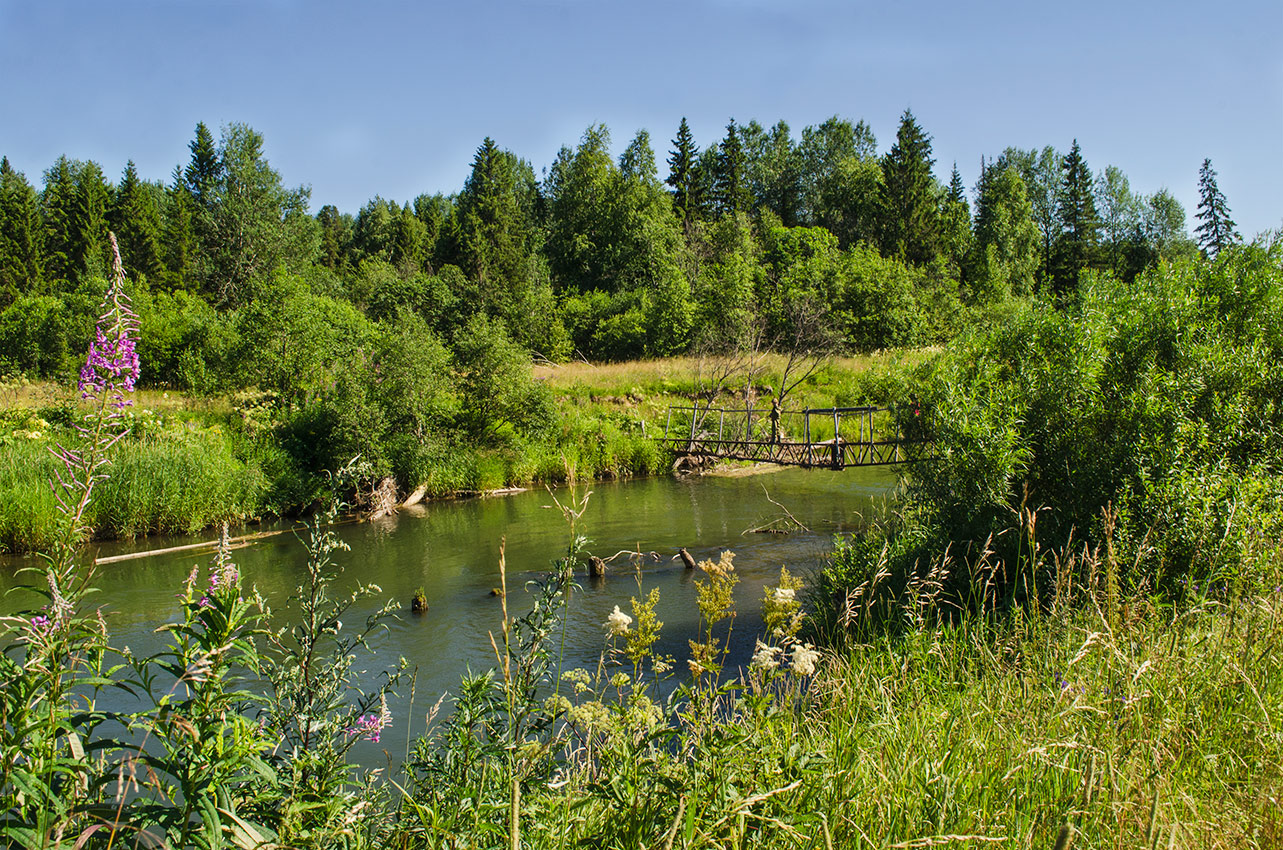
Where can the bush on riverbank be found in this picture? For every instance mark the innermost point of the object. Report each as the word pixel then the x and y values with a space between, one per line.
pixel 1146 417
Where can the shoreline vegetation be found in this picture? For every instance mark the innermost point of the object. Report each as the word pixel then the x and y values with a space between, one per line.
pixel 191 464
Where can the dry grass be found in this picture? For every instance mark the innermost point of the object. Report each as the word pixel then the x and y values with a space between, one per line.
pixel 685 370
pixel 24 394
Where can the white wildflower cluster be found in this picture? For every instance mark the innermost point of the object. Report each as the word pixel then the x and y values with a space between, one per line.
pixel 783 595
pixel 617 623
pixel 766 658
pixel 782 610
pixel 804 659
pixel 580 678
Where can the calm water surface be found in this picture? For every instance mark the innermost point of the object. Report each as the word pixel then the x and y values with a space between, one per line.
pixel 451 550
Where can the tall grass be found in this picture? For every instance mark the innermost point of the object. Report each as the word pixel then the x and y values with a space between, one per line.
pixel 161 485
pixel 1100 721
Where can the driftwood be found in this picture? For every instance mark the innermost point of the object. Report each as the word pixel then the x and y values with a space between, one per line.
pixel 416 496
pixel 596 566
pixel 237 543
pixel 686 558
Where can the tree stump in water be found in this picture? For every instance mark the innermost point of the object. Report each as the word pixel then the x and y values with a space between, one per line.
pixel 596 566
pixel 686 558
pixel 419 603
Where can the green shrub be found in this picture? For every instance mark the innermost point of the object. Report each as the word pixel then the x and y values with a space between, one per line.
pixel 1158 402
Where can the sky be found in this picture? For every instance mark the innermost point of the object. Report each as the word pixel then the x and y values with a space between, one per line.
pixel 377 98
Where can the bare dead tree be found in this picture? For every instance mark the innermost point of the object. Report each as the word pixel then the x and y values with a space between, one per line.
pixel 727 361
pixel 808 342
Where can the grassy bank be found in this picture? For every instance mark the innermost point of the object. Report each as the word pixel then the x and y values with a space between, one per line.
pixel 1011 730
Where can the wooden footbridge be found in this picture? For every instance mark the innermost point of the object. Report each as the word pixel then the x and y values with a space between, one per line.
pixel 815 438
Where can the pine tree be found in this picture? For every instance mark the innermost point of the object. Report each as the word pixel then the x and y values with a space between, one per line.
pixel 910 217
pixel 1077 245
pixel 730 186
pixel 1217 229
pixel 20 256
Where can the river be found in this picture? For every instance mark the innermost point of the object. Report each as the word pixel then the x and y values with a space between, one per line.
pixel 451 550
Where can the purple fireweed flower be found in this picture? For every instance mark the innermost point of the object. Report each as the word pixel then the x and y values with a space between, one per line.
pixel 190 583
pixel 110 371
pixel 369 726
pixel 112 365
pixel 224 578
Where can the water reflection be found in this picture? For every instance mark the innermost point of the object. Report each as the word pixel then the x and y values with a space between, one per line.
pixel 451 550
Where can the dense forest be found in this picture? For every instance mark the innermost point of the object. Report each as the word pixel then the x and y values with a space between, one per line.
pixel 603 259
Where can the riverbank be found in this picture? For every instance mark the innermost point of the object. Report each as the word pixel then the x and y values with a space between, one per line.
pixel 191 463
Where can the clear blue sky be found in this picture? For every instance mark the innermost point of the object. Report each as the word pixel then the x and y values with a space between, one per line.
pixel 358 99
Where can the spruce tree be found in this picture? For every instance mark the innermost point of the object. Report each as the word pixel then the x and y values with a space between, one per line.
pixel 57 203
pixel 493 226
pixel 1217 229
pixel 910 217
pixel 1078 243
pixel 179 238
pixel 955 222
pixel 90 251
pixel 136 222
pixel 333 255
pixel 683 175
pixel 204 170
pixel 730 186
pixel 20 252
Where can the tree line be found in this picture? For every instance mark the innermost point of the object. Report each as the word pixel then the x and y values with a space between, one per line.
pixel 754 235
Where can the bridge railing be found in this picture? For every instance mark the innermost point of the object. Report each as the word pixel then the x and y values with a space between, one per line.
pixel 831 436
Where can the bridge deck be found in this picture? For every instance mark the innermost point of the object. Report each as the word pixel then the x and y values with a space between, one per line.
pixel 811 438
